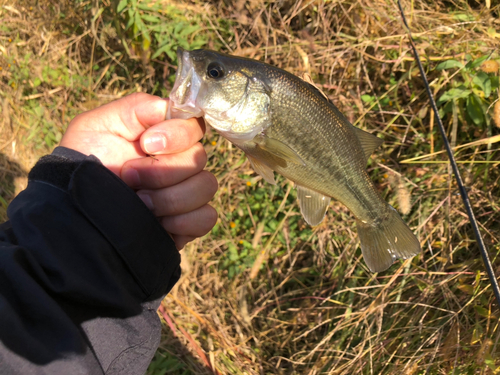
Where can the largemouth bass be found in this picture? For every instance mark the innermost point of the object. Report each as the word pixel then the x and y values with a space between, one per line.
pixel 285 125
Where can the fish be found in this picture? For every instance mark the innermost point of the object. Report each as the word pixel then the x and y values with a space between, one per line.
pixel 286 125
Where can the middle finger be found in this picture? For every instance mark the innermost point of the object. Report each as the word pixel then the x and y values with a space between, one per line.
pixel 164 170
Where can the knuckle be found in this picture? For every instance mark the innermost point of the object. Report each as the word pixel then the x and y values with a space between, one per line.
pixel 207 218
pixel 79 118
pixel 212 217
pixel 138 96
pixel 210 182
pixel 200 155
pixel 174 202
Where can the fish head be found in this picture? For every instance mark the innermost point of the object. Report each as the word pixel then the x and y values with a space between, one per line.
pixel 231 96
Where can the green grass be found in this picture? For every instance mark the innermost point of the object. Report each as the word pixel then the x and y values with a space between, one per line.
pixel 264 292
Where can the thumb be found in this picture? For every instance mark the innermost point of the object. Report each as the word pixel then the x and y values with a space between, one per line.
pixel 172 136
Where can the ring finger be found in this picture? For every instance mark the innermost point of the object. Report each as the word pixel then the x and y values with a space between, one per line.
pixel 183 197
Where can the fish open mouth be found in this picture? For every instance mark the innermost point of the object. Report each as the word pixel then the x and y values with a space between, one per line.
pixel 186 89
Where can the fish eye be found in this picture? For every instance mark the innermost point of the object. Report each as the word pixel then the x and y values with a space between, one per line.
pixel 215 70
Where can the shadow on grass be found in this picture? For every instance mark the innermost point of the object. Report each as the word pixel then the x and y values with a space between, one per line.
pixel 173 356
pixel 13 179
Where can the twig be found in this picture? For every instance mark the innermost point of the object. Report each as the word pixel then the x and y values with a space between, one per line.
pixel 485 141
pixel 171 323
pixel 461 187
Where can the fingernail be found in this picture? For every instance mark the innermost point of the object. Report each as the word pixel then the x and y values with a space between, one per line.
pixel 131 177
pixel 147 200
pixel 155 143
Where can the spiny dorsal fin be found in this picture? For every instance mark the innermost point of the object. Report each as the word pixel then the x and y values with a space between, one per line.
pixel 307 78
pixel 368 141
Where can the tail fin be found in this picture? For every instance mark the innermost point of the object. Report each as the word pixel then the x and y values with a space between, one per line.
pixel 386 241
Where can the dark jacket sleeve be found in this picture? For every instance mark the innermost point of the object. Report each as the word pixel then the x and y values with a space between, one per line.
pixel 83 267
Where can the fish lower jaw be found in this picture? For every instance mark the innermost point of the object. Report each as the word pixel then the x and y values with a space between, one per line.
pixel 224 128
pixel 237 138
pixel 184 112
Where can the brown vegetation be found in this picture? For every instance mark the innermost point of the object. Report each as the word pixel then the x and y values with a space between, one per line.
pixel 265 293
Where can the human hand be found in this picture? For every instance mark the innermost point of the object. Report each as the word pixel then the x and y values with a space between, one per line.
pixel 172 184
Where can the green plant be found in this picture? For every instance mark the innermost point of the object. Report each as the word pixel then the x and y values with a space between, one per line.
pixel 469 97
pixel 155 29
pixel 167 363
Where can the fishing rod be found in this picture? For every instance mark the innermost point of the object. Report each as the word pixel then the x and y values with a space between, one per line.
pixel 456 172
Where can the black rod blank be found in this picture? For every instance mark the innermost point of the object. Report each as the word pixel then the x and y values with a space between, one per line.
pixel 461 188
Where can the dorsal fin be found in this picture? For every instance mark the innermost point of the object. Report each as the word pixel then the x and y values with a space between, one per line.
pixel 368 141
pixel 307 79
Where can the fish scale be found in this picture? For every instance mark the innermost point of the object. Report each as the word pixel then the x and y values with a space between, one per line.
pixel 330 180
pixel 285 125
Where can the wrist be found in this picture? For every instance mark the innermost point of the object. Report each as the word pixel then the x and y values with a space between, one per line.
pixel 69 153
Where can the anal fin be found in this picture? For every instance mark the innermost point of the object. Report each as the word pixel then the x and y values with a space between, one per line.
pixel 266 172
pixel 313 205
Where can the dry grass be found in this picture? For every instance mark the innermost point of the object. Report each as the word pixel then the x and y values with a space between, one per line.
pixel 264 293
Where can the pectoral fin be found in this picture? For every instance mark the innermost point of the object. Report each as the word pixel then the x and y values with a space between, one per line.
pixel 266 172
pixel 313 205
pixel 368 141
pixel 278 148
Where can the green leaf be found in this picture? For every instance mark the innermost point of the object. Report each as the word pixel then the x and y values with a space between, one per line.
pixel 494 82
pixel 189 30
pixel 483 81
pixel 146 42
pixel 464 17
pixel 166 48
pixel 475 63
pixel 200 43
pixel 474 109
pixel 184 43
pixel 98 14
pixel 455 93
pixel 131 15
pixel 3 202
pixel 385 101
pixel 139 24
pixel 466 289
pixel 149 7
pixel 179 27
pixel 151 19
pixel 367 98
pixel 482 311
pixel 449 64
pixel 172 55
pixel 121 5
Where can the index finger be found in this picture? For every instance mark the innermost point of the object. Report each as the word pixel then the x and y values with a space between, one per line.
pixel 172 136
